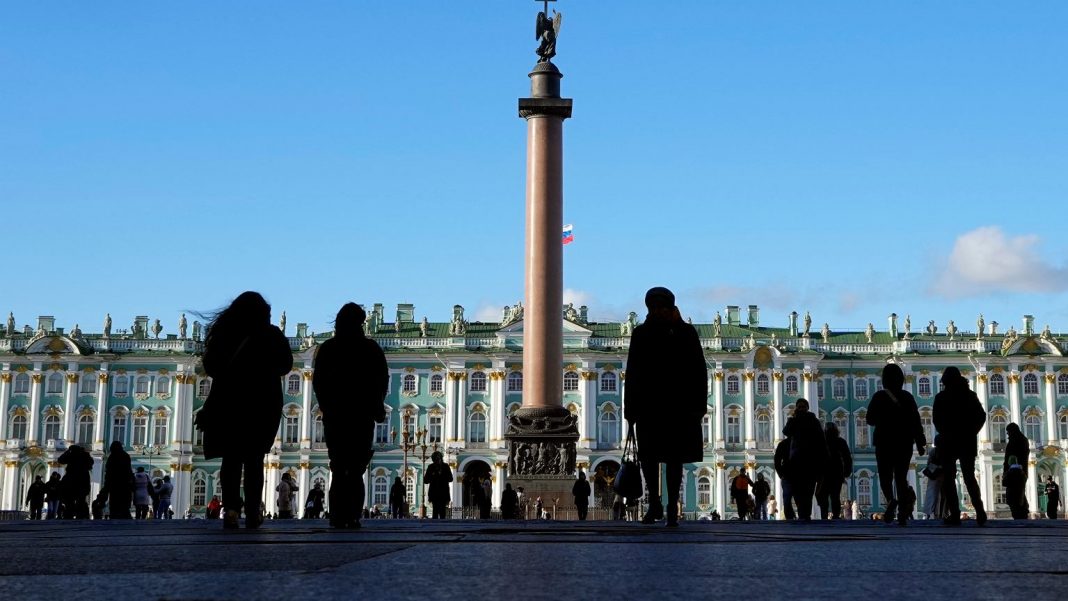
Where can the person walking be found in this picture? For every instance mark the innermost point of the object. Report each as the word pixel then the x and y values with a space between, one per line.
pixel 933 505
pixel 214 508
pixel 118 481
pixel 782 469
pixel 438 478
pixel 665 364
pixel 958 417
pixel 838 467
pixel 808 456
pixel 582 491
pixel 350 380
pixel 772 508
pixel 245 356
pixel 509 502
pixel 53 495
pixel 486 500
pixel 76 483
pixel 35 497
pixel 761 492
pixel 1017 454
pixel 313 507
pixel 893 414
pixel 286 489
pixel 163 494
pixel 396 499
pixel 141 497
pixel 740 493
pixel 1053 498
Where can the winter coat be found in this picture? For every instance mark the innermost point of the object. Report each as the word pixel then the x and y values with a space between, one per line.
pixel 118 472
pixel 285 490
pixel 350 381
pixel 142 483
pixel 438 476
pixel 958 417
pixel 35 496
pixel 76 480
pixel 581 490
pixel 1019 446
pixel 839 460
pixel 782 459
pixel 895 418
pixel 164 492
pixel 808 447
pixel 667 391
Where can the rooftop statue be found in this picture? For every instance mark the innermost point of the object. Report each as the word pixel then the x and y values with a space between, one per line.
pixel 546 31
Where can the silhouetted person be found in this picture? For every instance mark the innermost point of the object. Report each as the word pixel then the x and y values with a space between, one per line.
pixel 35 497
pixel 76 483
pixel 740 493
pixel 782 468
pixel 509 503
pixel 163 496
pixel 313 507
pixel 286 490
pixel 53 495
pixel 1017 453
pixel 933 504
pixel 958 417
pixel 665 366
pixel 808 456
pixel 118 481
pixel 396 499
pixel 142 485
pixel 438 477
pixel 895 417
pixel 761 492
pixel 246 356
pixel 350 380
pixel 214 508
pixel 486 501
pixel 581 490
pixel 1053 498
pixel 838 467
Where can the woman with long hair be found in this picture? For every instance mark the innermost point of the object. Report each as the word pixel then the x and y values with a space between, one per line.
pixel 246 358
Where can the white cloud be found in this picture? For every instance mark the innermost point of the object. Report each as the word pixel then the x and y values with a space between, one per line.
pixel 578 297
pixel 986 261
pixel 488 313
pixel 774 296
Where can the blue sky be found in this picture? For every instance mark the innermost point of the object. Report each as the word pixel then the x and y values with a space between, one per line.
pixel 850 159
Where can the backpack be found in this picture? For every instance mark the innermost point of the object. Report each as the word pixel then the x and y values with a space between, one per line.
pixel 740 484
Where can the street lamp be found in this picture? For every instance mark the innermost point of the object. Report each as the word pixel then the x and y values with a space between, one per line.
pixel 423 446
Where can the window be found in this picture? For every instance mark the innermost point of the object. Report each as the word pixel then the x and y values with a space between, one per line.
pixel 1062 424
pixel 608 428
pixel 1062 385
pixel 924 386
pixel 141 385
pixel 122 386
pixel 380 494
pixel 1030 384
pixel 763 431
pixel 410 423
pixel 838 389
pixel 163 386
pixel 382 430
pixel 864 491
pixel 51 427
pixel 819 390
pixel 928 424
pixel 198 435
pixel 997 385
pixel 734 429
pixel 118 428
pixel 200 491
pixel 159 432
pixel 409 490
pixel 437 384
pixel 293 384
pixel 291 430
pixel 89 384
pixel 998 423
pixel 476 427
pixel 55 384
pixel 862 431
pixel 318 432
pixel 433 432
pixel 791 385
pixel 608 382
pixel 140 430
pixel 571 381
pixel 515 381
pixel 1033 429
pixel 860 389
pixel 704 491
pixel 999 490
pixel 408 384
pixel 841 421
pixel 478 381
pixel 203 387
pixel 85 430
pixel 732 385
pixel 18 427
pixel 762 385
pixel 706 425
pixel 22 384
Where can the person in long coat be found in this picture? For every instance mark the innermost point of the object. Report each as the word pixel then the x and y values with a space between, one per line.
pixel 958 416
pixel 35 497
pixel 246 357
pixel 397 495
pixel 350 380
pixel 667 395
pixel 76 482
pixel 509 502
pixel 895 418
pixel 142 496
pixel 838 467
pixel 438 477
pixel 581 491
pixel 118 479
pixel 1017 454
pixel 808 456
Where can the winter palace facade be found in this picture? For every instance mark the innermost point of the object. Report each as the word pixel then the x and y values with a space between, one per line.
pixel 454 383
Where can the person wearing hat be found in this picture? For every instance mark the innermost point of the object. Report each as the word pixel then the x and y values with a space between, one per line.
pixel 958 416
pixel 667 395
pixel 350 380
pixel 438 476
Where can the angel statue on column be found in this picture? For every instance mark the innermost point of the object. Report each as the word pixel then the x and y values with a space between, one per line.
pixel 546 32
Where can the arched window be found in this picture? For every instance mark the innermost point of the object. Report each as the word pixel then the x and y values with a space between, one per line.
pixel 608 382
pixel 733 385
pixel 861 430
pixel 476 427
pixel 18 427
pixel 437 383
pixel 203 387
pixel 1062 422
pixel 318 432
pixel 408 383
pixel 54 384
pixel 118 428
pixel 515 381
pixel 997 385
pixel 819 389
pixel 841 421
pixel 140 430
pixel 928 424
pixel 1032 429
pixel 998 423
pixel 22 384
pixel 141 385
pixel 122 386
pixel 1062 385
pixel 704 491
pixel 478 381
pixel 923 386
pixel 200 490
pixel 860 389
pixel 85 430
pixel 1030 384
pixel 293 384
pixel 163 386
pixel 763 384
pixel 89 384
pixel 864 490
pixel 159 430
pixel 291 429
pixel 734 426
pixel 838 389
pixel 763 431
pixel 409 489
pixel 51 427
pixel 571 381
pixel 706 425
pixel 410 422
pixel 434 427
pixel 380 494
pixel 608 428
pixel 791 384
pixel 382 430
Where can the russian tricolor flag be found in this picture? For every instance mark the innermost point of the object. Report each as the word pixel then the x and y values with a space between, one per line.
pixel 569 234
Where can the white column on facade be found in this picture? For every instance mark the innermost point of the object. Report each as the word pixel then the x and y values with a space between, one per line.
pixel 1014 395
pixel 33 432
pixel 70 404
pixel 8 501
pixel 450 408
pixel 721 488
pixel 496 409
pixel 272 477
pixel 982 391
pixel 304 485
pixel 750 408
pixel 1032 485
pixel 5 399
pixel 308 419
pixel 1051 404
pixel 457 500
pixel 179 434
pixel 717 402
pixel 499 474
pixel 809 391
pixel 588 423
pixel 101 425
pixel 986 469
pixel 461 407
pixel 777 400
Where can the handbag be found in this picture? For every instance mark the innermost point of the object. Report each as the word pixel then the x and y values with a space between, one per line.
pixel 628 480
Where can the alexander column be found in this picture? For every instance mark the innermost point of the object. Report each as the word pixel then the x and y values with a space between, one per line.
pixel 542 434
